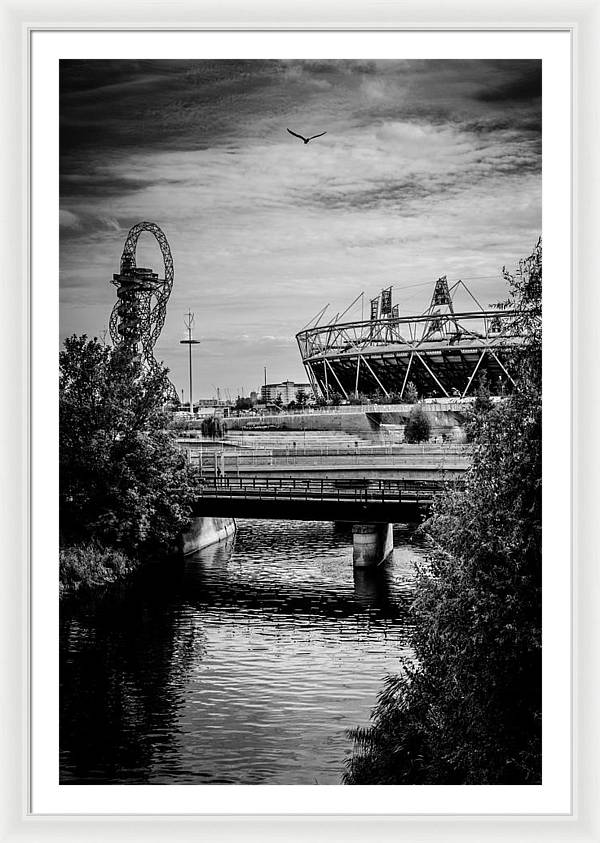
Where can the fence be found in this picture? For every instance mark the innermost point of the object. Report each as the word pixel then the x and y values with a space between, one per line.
pixel 215 461
pixel 439 405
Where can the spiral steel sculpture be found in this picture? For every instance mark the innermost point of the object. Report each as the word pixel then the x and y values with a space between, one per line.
pixel 139 312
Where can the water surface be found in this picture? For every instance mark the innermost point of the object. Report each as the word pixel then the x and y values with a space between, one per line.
pixel 245 664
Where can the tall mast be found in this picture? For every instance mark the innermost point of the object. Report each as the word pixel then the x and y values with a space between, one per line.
pixel 189 324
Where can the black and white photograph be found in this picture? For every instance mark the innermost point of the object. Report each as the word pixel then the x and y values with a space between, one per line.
pixel 300 421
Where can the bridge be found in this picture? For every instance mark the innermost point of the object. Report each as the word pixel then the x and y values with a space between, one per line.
pixel 350 499
pixel 372 486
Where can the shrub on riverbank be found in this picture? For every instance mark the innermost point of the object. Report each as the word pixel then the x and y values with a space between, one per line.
pixel 468 711
pixel 90 567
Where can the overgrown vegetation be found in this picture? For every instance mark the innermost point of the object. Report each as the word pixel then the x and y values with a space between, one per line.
pixel 124 486
pixel 88 567
pixel 468 709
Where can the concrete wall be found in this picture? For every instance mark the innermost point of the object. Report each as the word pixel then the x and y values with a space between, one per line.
pixel 358 422
pixel 204 531
pixel 323 471
pixel 365 424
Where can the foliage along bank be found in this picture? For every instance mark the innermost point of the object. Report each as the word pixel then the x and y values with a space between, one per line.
pixel 124 486
pixel 468 709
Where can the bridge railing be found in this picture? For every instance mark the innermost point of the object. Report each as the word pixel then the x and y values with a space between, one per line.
pixel 357 490
pixel 298 444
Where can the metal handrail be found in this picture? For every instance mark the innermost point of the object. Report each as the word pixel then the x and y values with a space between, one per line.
pixel 383 491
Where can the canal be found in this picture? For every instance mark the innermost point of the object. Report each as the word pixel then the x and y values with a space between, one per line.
pixel 245 664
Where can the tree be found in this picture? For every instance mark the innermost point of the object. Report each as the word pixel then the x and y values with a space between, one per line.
pixel 212 427
pixel 123 482
pixel 468 710
pixel 301 398
pixel 411 396
pixel 481 406
pixel 483 401
pixel 418 426
pixel 243 403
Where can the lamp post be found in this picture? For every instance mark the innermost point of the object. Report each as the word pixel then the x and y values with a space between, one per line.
pixel 189 324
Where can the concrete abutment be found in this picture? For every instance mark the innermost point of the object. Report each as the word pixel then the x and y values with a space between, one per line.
pixel 204 531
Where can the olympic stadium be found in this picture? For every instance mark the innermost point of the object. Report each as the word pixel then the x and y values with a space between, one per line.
pixel 443 351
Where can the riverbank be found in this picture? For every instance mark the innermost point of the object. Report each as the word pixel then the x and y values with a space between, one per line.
pixel 89 567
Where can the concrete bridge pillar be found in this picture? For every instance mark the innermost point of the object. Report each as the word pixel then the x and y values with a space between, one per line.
pixel 372 544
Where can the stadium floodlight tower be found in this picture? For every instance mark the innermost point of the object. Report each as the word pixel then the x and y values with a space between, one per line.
pixel 139 312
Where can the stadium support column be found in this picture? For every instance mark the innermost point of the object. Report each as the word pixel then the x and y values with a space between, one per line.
pixel 474 372
pixel 383 389
pixel 314 381
pixel 339 383
pixel 372 544
pixel 357 374
pixel 406 376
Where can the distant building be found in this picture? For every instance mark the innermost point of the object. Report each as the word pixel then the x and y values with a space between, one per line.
pixel 287 390
pixel 209 402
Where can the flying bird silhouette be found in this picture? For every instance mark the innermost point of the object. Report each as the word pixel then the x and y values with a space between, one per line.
pixel 306 140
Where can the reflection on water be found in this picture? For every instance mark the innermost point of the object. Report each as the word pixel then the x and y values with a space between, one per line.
pixel 245 664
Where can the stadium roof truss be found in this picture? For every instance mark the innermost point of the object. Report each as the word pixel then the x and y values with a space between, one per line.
pixel 441 351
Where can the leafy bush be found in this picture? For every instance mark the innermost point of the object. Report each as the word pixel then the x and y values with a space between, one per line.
pixel 418 426
pixel 181 424
pixel 468 709
pixel 483 401
pixel 89 566
pixel 411 396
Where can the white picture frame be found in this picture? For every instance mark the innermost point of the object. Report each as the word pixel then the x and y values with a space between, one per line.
pixel 583 21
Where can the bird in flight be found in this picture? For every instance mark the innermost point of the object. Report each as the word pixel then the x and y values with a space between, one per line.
pixel 306 140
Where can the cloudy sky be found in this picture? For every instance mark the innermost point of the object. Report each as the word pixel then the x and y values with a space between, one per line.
pixel 427 168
